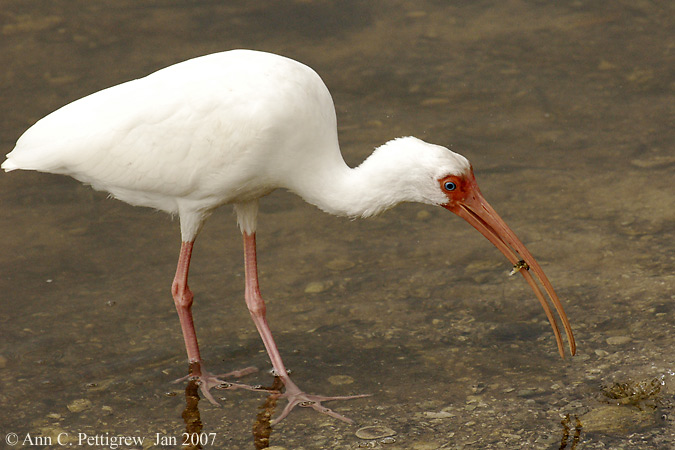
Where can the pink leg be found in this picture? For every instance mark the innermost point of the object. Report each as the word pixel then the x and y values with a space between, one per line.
pixel 256 307
pixel 182 297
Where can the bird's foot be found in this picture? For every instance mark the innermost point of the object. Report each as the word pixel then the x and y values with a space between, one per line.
pixel 207 381
pixel 296 397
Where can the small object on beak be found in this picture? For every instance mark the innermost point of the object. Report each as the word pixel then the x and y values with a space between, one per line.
pixel 517 266
pixel 465 200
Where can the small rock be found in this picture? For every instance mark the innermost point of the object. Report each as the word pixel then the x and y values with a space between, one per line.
pixel 601 353
pixel 340 379
pixel 434 101
pixel 374 432
pixel 654 162
pixel 423 215
pixel 438 415
pixel 528 392
pixel 426 446
pixel 315 287
pixel 3 362
pixel 79 405
pixel 340 264
pixel 478 388
pixel 618 340
pixel 616 420
pixel 605 65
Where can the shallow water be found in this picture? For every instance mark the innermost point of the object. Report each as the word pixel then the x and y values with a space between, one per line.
pixel 565 111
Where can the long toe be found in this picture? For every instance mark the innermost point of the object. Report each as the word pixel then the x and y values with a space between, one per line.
pixel 210 381
pixel 313 401
pixel 207 381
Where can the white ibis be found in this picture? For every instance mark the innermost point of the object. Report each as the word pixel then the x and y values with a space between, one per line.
pixel 229 128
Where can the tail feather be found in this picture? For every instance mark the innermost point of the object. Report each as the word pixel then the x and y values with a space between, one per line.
pixel 9 165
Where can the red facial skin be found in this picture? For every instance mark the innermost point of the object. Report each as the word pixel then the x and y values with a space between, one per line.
pixel 466 201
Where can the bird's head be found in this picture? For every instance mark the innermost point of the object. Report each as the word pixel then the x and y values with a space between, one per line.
pixel 439 176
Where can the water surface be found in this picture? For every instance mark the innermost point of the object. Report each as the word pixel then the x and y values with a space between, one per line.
pixel 565 111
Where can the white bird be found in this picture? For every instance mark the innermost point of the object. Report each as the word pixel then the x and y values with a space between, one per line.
pixel 229 128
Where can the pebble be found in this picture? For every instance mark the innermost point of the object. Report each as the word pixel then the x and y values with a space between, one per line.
pixel 28 24
pixel 616 420
pixel 434 101
pixel 79 405
pixel 340 264
pixel 438 415
pixel 416 14
pixel 605 65
pixel 652 162
pixel 426 446
pixel 340 379
pixel 478 388
pixel 529 392
pixel 423 215
pixel 374 432
pixel 618 340
pixel 315 287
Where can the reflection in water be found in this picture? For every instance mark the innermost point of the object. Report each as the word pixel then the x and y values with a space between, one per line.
pixel 193 422
pixel 566 432
pixel 565 106
pixel 207 381
pixel 194 426
pixel 262 428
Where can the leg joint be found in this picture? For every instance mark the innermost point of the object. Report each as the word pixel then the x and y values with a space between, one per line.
pixel 182 295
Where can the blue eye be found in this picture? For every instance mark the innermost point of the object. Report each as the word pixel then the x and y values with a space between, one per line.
pixel 449 186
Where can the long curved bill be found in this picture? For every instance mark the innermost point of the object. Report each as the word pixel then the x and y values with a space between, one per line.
pixel 478 212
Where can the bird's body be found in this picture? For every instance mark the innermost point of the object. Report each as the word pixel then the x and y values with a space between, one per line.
pixel 152 141
pixel 229 128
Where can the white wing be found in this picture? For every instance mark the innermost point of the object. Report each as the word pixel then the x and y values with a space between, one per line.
pixel 204 128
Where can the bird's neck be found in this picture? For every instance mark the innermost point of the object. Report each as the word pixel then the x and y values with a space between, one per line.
pixel 362 191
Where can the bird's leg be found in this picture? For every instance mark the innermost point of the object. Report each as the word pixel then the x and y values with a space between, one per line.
pixel 256 306
pixel 182 297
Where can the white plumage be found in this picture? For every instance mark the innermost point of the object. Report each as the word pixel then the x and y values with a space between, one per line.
pixel 229 128
pixel 223 128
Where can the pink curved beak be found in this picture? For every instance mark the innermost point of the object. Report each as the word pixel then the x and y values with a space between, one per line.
pixel 478 212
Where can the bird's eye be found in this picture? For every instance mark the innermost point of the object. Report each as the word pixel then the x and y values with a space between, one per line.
pixel 449 186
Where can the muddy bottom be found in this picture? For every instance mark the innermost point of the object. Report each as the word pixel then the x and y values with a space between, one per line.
pixel 565 111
